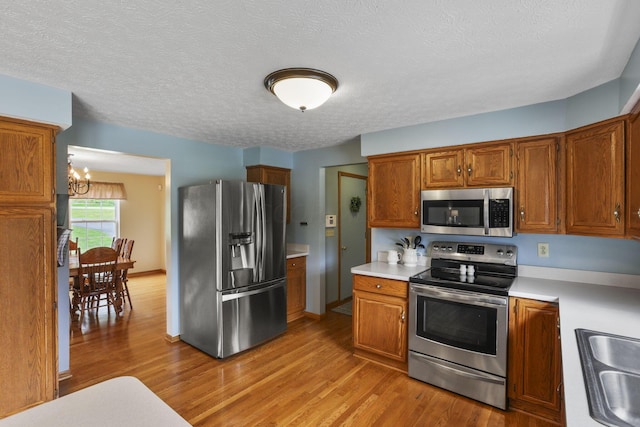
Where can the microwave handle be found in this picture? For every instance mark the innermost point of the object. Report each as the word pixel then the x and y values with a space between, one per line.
pixel 487 195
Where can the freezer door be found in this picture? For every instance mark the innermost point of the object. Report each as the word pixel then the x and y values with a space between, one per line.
pixel 253 317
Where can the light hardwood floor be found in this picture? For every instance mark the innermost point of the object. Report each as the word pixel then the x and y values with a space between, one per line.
pixel 306 377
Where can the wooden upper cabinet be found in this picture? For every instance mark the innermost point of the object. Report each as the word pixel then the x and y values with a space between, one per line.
pixel 442 169
pixel 272 175
pixel 536 198
pixel 633 177
pixel 484 165
pixel 595 179
pixel 26 163
pixel 489 166
pixel 394 191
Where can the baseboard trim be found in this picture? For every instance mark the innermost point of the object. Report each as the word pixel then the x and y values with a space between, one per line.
pixel 64 375
pixel 314 316
pixel 131 273
pixel 172 338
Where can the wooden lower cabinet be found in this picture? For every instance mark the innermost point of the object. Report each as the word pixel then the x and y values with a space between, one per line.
pixel 380 320
pixel 535 368
pixel 296 287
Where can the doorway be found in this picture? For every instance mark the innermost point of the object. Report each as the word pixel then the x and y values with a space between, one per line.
pixel 353 235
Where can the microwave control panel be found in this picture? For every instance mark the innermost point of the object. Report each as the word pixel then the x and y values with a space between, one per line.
pixel 499 213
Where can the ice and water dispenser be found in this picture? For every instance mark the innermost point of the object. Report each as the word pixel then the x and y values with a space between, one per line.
pixel 242 256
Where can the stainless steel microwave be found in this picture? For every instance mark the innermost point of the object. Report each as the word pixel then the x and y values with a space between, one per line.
pixel 470 211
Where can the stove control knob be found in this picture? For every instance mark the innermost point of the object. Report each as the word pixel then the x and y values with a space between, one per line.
pixel 509 253
pixel 436 247
pixel 500 252
pixel 449 248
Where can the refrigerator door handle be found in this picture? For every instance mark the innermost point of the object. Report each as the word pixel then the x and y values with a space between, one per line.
pixel 229 297
pixel 260 232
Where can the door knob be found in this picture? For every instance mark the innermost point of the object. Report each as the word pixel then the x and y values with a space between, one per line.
pixel 344 248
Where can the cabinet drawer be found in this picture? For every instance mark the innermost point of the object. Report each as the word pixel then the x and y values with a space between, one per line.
pixel 379 285
pixel 297 262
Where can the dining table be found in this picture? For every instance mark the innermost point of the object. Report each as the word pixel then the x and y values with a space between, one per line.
pixel 74 272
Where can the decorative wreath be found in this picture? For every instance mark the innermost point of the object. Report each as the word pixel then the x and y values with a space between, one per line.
pixel 355 204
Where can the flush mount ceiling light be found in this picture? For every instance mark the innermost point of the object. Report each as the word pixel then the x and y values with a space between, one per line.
pixel 301 88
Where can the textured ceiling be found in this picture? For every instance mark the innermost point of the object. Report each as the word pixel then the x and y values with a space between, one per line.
pixel 195 69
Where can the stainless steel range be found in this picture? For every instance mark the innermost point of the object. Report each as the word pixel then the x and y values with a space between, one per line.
pixel 458 311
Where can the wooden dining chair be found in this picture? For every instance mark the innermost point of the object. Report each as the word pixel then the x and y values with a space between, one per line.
pixel 73 247
pixel 126 253
pixel 117 243
pixel 98 277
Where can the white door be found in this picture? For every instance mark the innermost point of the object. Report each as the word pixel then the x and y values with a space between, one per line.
pixel 353 228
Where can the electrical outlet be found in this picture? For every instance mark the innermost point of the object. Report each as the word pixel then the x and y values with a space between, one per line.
pixel 543 250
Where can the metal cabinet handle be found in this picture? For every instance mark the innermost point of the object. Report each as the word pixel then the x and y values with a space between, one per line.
pixel 522 213
pixel 402 316
pixel 459 170
pixel 638 212
pixel 469 169
pixel 616 213
pixel 378 286
pixel 416 211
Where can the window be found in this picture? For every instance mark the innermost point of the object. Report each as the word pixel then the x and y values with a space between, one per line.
pixel 94 222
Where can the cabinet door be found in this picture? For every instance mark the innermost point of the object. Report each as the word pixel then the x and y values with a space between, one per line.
pixel 442 169
pixel 296 287
pixel 595 180
pixel 394 191
pixel 633 177
pixel 27 297
pixel 489 165
pixel 26 163
pixel 534 358
pixel 379 324
pixel 536 189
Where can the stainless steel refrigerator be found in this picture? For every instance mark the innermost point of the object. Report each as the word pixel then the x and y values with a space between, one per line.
pixel 232 253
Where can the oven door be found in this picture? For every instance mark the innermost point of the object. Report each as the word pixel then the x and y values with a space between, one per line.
pixel 467 328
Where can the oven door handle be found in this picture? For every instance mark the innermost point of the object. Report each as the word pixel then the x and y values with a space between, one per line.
pixel 453 295
pixel 459 370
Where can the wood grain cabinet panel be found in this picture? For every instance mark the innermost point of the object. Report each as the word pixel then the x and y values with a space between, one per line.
pixel 480 165
pixel 28 292
pixel 394 191
pixel 380 320
pixel 535 368
pixel 442 169
pixel 26 163
pixel 633 177
pixel 489 165
pixel 595 179
pixel 296 287
pixel 536 204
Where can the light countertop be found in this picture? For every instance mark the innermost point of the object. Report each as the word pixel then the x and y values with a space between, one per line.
pixel 604 302
pixel 388 271
pixel 597 307
pixel 121 401
pixel 295 250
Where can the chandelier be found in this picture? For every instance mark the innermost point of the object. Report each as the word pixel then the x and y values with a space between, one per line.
pixel 301 88
pixel 76 185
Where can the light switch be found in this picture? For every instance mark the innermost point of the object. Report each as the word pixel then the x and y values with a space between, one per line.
pixel 330 221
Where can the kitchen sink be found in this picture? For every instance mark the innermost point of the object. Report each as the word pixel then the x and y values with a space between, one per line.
pixel 611 370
